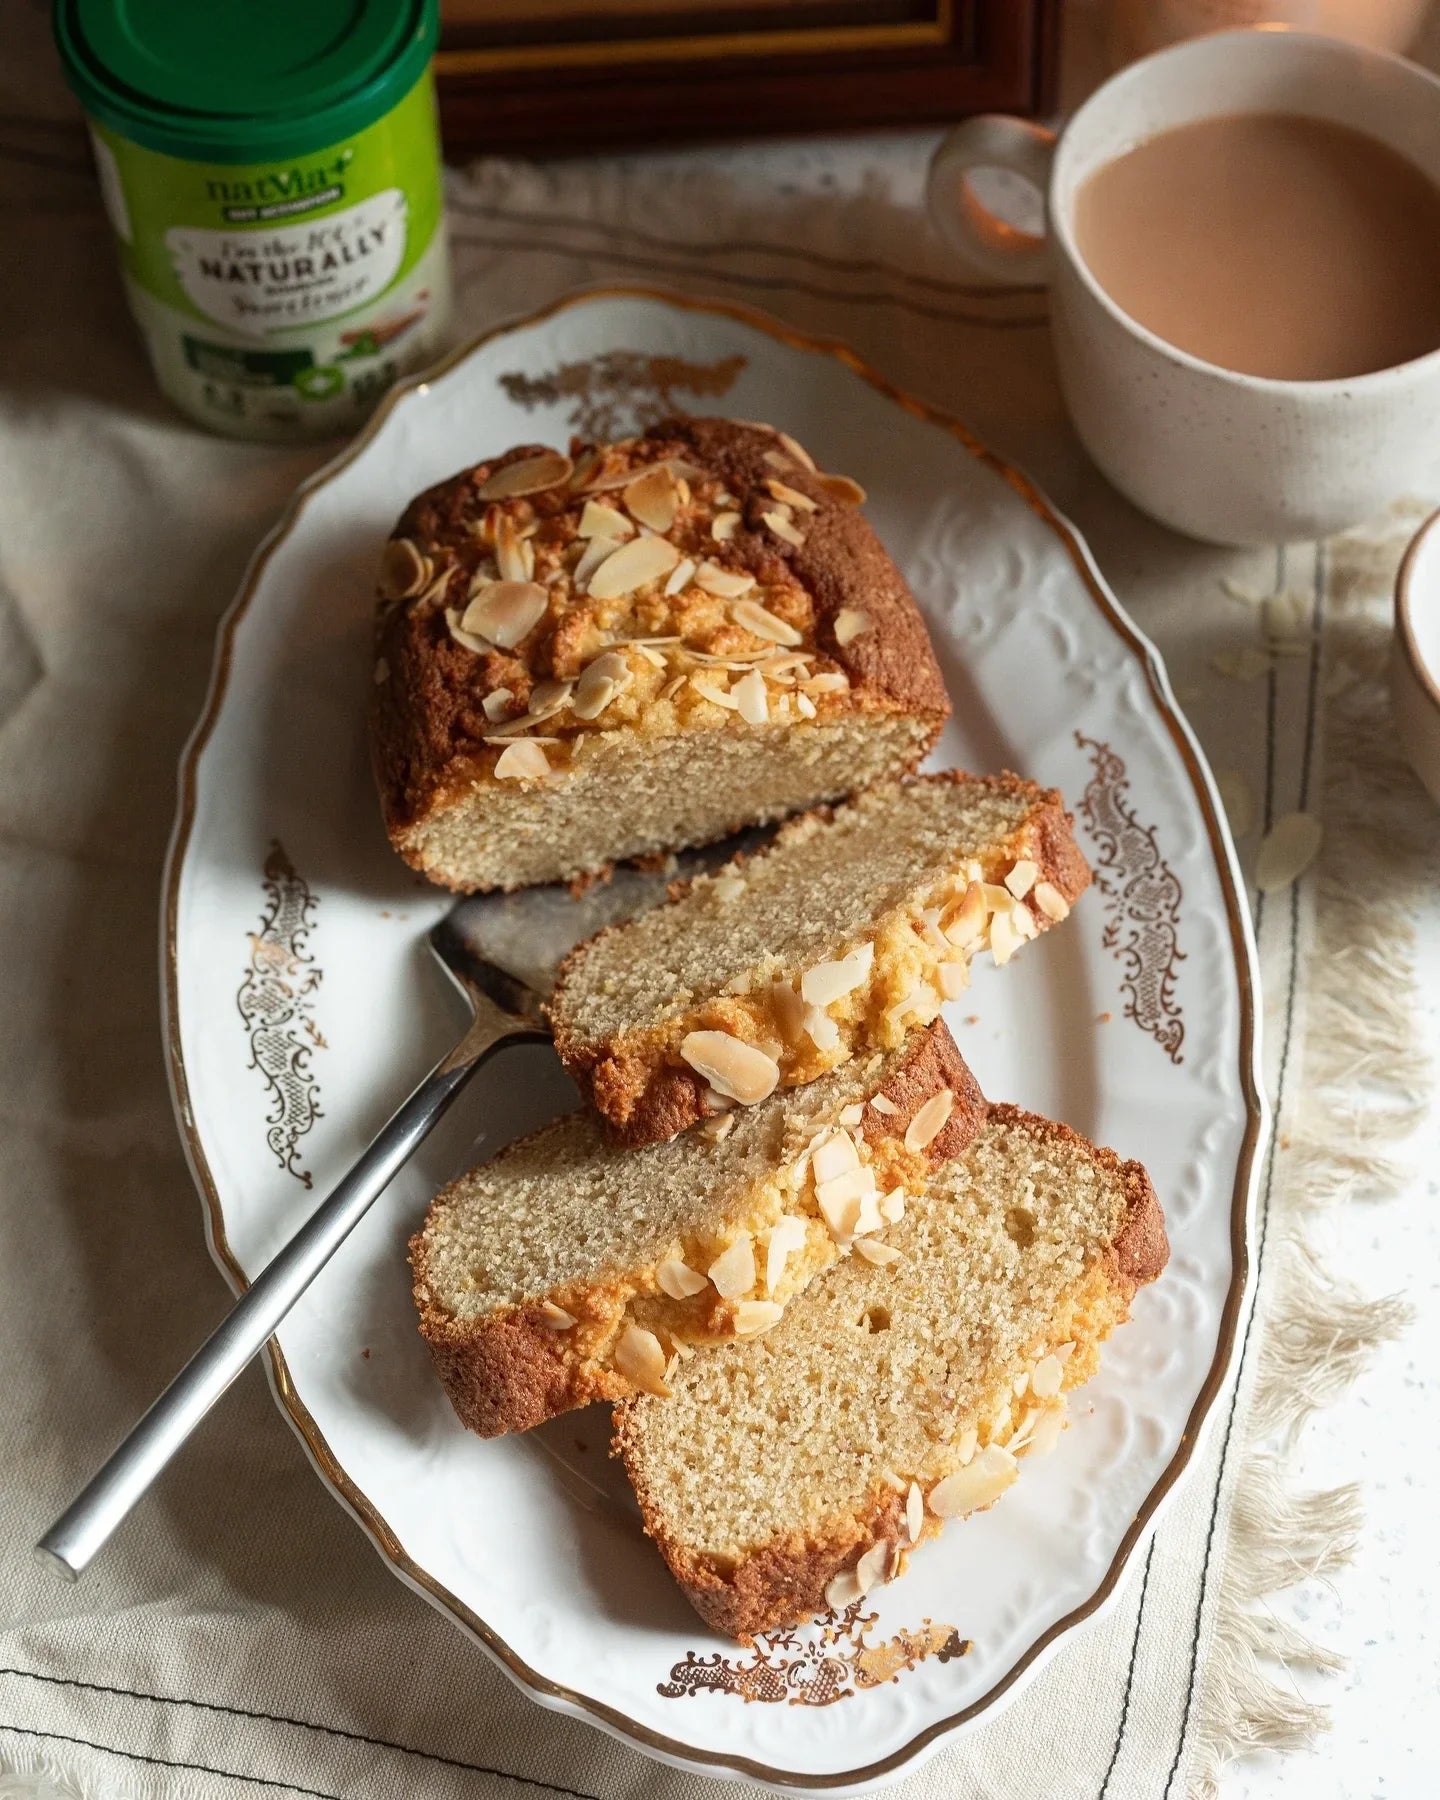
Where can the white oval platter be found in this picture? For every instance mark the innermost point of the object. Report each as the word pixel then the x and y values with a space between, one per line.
pixel 301 1006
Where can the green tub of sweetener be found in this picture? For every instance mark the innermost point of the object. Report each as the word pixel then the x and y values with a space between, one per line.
pixel 271 171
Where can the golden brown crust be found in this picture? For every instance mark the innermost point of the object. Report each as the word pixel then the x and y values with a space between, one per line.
pixel 645 1101
pixel 509 1371
pixel 427 724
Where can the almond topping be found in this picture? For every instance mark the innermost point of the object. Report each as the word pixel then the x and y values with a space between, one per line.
pixel 831 981
pixel 1004 939
pixel 851 622
pixel 841 1590
pixel 1047 1430
pixel 760 623
pixel 964 922
pixel 556 1317
pixel 403 570
pixel 930 1121
pixel 653 499
pixel 843 489
pixel 522 761
pixel 506 611
pixel 466 639
pixel 633 566
pixel 711 691
pixel 681 577
pixel 675 466
pixel 733 1272
pixel 1051 901
pixel 599 520
pixel 752 1316
pixel 871 1566
pixel 1045 1378
pixel 788 1010
pixel 516 559
pixel 1021 878
pixel 914 1512
pixel 834 1156
pixel 639 1358
pixel 854 1114
pixel 823 1032
pixel 788 1234
pixel 779 490
pixel 983 1481
pixel 677 1278
pixel 805 706
pixel 531 475
pixel 751 698
pixel 732 1067
pixel 724 526
pixel 882 1105
pixel 828 681
pixel 875 1252
pixel 892 1207
pixel 725 584
pixel 600 681
pixel 495 703
pixel 784 528
pixel 841 1200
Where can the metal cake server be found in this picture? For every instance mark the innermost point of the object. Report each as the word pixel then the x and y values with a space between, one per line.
pixel 502 951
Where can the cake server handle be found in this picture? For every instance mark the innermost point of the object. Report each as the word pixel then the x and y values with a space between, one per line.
pixel 87 1523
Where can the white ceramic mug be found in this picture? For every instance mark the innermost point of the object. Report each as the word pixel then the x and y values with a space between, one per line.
pixel 1236 459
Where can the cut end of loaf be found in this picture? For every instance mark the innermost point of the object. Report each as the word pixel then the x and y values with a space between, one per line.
pixel 786 1476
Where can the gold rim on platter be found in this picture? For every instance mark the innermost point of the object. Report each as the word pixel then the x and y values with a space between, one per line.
pixel 300 1419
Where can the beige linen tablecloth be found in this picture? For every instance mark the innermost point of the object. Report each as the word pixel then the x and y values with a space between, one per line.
pixel 241 1636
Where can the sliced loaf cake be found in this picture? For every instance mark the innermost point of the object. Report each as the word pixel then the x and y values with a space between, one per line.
pixel 791 1473
pixel 633 648
pixel 846 932
pixel 566 1270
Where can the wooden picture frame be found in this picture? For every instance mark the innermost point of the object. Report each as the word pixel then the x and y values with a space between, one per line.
pixel 563 75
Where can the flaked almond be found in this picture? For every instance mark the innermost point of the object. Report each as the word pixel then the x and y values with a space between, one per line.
pixel 872 1566
pixel 984 1480
pixel 403 570
pixel 805 706
pixel 556 1317
pixel 914 1512
pixel 733 1272
pixel 675 466
pixel 834 1156
pixel 786 1236
pixel 1046 1434
pixel 530 475
pixel 789 496
pixel 597 551
pixel 1287 851
pixel 843 489
pixel 828 681
pixel 639 1358
pixel 873 1251
pixel 952 979
pixel 523 760
pixel 548 698
pixel 599 520
pixel 709 689
pixel 842 1590
pixel 963 923
pixel 600 681
pixel 891 1206
pixel 1045 1378
pixel 724 584
pixel 466 639
pixel 677 1278
pixel 515 557
pixel 1004 939
pixel 724 526
pixel 821 1029
pixel 853 1115
pixel 842 1199
pixel 784 528
pixel 851 622
pixel 751 698
pixel 633 566
pixel 712 1130
pixel 653 499
pixel 797 450
pixel 731 1066
pixel 1022 878
pixel 1051 901
pixel 759 623
pixel 752 1316
pixel 505 612
pixel 496 703
pixel 831 981
pixel 680 577
pixel 930 1120
pixel 787 1009
pixel 882 1105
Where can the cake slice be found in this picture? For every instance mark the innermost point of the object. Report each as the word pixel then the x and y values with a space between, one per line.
pixel 637 647
pixel 849 930
pixel 566 1270
pixel 792 1472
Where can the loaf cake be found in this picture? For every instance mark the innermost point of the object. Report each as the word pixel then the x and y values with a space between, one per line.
pixel 634 648
pixel 849 930
pixel 790 1473
pixel 565 1270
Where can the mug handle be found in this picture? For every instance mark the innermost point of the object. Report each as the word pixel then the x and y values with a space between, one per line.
pixel 987 242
